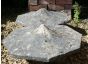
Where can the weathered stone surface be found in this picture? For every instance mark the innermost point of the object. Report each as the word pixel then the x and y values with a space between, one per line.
pixel 42 16
pixel 43 43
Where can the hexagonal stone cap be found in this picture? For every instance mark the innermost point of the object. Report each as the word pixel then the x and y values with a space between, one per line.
pixel 43 43
pixel 42 16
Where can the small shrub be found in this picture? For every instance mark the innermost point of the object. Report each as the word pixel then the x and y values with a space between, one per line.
pixel 76 12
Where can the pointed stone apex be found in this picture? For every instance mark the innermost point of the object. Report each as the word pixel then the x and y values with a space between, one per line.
pixel 42 29
pixel 42 11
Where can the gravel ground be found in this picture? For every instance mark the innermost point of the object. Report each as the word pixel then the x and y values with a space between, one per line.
pixel 81 57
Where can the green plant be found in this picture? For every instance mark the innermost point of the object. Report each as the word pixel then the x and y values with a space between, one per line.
pixel 76 12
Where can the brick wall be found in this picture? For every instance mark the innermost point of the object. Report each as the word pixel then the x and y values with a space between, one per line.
pixel 56 5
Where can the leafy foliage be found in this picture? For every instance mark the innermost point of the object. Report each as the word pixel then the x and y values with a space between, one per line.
pixel 76 12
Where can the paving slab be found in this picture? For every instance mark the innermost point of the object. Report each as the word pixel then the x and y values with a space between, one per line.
pixel 43 16
pixel 42 43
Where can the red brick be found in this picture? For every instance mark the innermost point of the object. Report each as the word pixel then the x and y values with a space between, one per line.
pixel 46 1
pixel 35 8
pixel 68 6
pixel 61 2
pixel 59 7
pixel 56 7
pixel 43 2
pixel 51 7
pixel 33 2
pixel 69 1
pixel 34 5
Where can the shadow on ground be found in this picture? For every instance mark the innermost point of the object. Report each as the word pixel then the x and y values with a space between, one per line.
pixel 80 30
